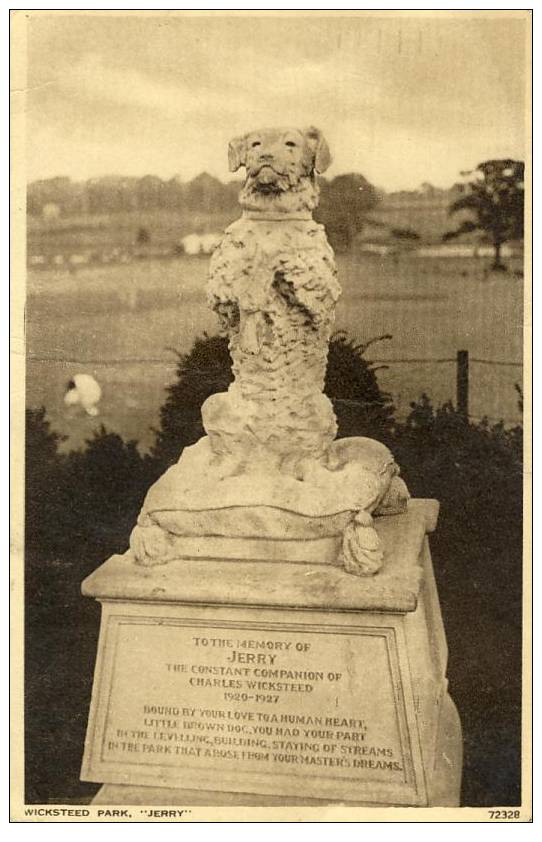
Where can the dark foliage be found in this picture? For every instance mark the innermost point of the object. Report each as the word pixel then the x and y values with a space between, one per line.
pixel 43 472
pixel 495 200
pixel 82 506
pixel 200 373
pixel 83 499
pixel 80 509
pixel 123 194
pixel 361 407
pixel 475 471
pixel 344 204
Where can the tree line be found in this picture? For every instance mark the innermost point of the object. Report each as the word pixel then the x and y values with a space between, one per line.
pixel 346 195
pixel 121 194
pixel 491 202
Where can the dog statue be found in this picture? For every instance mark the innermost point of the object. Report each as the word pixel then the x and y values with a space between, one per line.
pixel 270 457
pixel 273 284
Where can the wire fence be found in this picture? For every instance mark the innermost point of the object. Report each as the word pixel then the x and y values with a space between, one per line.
pixel 162 360
pixel 446 360
pixel 463 361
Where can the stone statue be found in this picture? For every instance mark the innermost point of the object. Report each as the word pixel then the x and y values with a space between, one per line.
pixel 270 467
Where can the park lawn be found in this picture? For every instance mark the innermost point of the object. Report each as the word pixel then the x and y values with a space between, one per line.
pixel 101 233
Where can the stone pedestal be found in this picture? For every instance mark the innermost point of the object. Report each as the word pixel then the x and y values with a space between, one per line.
pixel 265 683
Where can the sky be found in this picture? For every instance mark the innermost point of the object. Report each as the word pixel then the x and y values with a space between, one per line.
pixel 401 99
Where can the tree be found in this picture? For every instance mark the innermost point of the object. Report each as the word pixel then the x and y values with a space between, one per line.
pixel 344 204
pixel 495 198
pixel 149 192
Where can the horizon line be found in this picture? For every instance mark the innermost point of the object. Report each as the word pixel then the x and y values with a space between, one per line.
pixel 379 188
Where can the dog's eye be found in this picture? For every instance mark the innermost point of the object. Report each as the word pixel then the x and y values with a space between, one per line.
pixel 256 143
pixel 291 143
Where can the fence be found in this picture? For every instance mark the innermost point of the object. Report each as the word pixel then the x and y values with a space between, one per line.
pixel 463 364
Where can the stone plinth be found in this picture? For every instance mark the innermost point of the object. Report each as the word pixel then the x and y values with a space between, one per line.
pixel 259 683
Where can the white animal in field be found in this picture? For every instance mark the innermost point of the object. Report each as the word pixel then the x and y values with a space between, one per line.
pixel 84 390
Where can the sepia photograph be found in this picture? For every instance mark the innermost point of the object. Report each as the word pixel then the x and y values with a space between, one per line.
pixel 270 289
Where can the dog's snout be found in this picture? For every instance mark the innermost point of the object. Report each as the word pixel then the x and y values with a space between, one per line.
pixel 266 156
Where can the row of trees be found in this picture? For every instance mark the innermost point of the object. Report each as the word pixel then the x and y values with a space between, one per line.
pixel 344 200
pixel 118 194
pixel 491 202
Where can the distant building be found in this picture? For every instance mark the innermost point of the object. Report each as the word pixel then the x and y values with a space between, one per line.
pixel 78 259
pixel 37 260
pixel 191 244
pixel 378 248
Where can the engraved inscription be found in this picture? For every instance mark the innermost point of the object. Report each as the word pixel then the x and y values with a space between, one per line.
pixel 257 700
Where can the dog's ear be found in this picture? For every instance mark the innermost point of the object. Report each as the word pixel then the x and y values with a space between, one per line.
pixel 321 155
pixel 237 151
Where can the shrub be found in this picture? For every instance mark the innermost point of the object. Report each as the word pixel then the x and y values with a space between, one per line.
pixel 107 482
pixel 475 471
pixel 361 407
pixel 80 508
pixel 43 474
pixel 206 369
pixel 82 504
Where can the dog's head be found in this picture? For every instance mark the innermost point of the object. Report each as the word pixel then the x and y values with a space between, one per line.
pixel 278 160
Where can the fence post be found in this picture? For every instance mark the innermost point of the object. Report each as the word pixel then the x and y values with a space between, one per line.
pixel 462 403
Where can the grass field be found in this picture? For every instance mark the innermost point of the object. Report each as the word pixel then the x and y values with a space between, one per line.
pixel 121 323
pixel 100 232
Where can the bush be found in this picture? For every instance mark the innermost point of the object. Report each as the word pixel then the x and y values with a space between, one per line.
pixel 43 473
pixel 82 504
pixel 200 373
pixel 361 407
pixel 80 508
pixel 475 471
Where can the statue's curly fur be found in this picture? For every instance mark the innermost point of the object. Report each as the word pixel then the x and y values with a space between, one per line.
pixel 273 285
